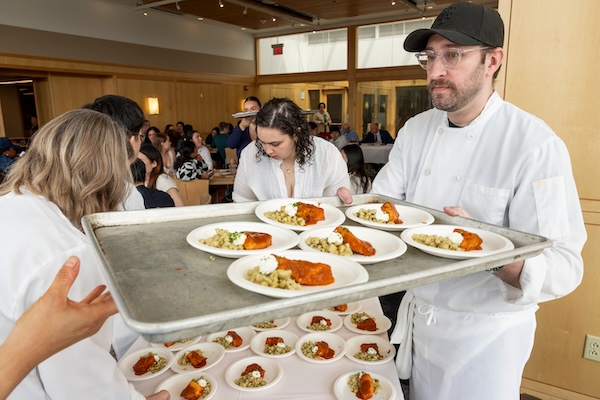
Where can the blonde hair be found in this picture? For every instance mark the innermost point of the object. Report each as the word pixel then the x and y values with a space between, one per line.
pixel 78 161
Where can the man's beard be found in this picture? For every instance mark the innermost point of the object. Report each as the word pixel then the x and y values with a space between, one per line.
pixel 456 99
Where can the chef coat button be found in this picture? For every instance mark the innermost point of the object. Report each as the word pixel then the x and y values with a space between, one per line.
pixel 440 130
pixel 457 178
pixel 427 172
pixel 471 135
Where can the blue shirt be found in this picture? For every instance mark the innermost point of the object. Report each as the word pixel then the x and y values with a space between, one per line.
pixel 351 136
pixel 6 162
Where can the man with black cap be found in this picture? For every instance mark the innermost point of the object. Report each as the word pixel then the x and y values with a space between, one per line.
pixel 475 155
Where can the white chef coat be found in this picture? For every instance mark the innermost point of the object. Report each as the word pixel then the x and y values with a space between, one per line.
pixel 506 168
pixel 320 176
pixel 36 240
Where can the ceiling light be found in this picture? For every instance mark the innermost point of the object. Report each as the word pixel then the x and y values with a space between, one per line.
pixel 145 13
pixel 177 6
pixel 393 3
pixel 221 4
pixel 273 19
pixel 200 19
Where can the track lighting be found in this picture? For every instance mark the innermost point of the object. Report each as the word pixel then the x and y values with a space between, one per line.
pixel 273 19
pixel 221 4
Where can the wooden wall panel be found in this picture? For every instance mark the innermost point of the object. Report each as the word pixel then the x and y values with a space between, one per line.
pixel 71 92
pixel 544 77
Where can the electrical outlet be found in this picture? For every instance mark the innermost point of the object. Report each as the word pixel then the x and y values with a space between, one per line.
pixel 591 349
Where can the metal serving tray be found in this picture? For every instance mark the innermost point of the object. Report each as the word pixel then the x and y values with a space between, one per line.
pixel 167 290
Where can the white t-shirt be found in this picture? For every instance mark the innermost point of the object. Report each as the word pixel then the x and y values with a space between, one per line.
pixel 164 182
pixel 39 241
pixel 323 175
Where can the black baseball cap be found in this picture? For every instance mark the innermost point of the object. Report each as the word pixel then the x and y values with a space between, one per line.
pixel 466 24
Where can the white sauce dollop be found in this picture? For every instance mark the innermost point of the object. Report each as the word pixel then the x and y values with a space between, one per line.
pixel 281 344
pixel 371 351
pixel 323 322
pixel 267 264
pixel 335 238
pixel 228 338
pixel 382 216
pixel 256 373
pixel 315 349
pixel 202 382
pixel 291 209
pixel 456 237
pixel 239 240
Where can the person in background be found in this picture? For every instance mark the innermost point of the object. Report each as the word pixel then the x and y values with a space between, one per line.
pixel 313 128
pixel 34 126
pixel 322 118
pixel 187 166
pixel 43 199
pixel 209 138
pixel 286 161
pixel 151 134
pixel 155 177
pixel 376 135
pixel 220 140
pixel 338 140
pixel 168 126
pixel 163 144
pixel 35 337
pixel 129 113
pixel 351 135
pixel 240 136
pixel 180 128
pixel 153 198
pixel 476 156
pixel 8 154
pixel 360 182
pixel 202 152
pixel 144 128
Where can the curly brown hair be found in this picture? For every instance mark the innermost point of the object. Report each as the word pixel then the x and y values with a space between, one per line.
pixel 285 115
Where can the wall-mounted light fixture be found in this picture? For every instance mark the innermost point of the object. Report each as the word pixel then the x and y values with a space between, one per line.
pixel 153 107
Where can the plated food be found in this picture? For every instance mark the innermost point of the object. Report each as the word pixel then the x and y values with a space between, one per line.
pixel 177 345
pixel 274 344
pixel 237 239
pixel 294 272
pixel 253 374
pixel 321 347
pixel 145 363
pixel 456 242
pixel 341 242
pixel 198 357
pixel 373 215
pixel 369 349
pixel 279 323
pixel 346 308
pixel 370 386
pixel 298 214
pixel 234 339
pixel 190 386
pixel 367 323
pixel 319 321
pixel 386 245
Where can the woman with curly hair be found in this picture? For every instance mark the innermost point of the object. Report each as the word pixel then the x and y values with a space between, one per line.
pixel 286 161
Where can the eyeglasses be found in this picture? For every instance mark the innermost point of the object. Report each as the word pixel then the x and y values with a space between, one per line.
pixel 450 57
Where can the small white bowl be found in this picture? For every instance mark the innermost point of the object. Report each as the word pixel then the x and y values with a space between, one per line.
pixel 258 342
pixel 303 321
pixel 334 341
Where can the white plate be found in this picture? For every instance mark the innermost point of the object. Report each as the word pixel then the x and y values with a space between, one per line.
pixel 273 372
pixel 175 384
pixel 178 345
pixel 126 363
pixel 342 390
pixel 333 216
pixel 345 272
pixel 335 342
pixel 283 239
pixel 492 242
pixel 352 308
pixel 279 324
pixel 387 246
pixel 258 342
pixel 386 349
pixel 382 323
pixel 303 320
pixel 411 217
pixel 245 333
pixel 213 352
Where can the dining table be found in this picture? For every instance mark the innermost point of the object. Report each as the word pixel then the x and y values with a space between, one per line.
pixel 300 379
pixel 219 181
pixel 374 153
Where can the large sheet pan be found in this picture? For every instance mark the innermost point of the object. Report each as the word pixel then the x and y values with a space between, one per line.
pixel 167 290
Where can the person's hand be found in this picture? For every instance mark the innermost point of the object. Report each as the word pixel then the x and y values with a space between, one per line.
pixel 456 211
pixel 245 122
pixel 55 322
pixel 162 395
pixel 345 195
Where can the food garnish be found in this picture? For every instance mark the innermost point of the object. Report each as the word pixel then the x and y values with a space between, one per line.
pixel 151 362
pixel 458 240
pixel 231 339
pixel 197 389
pixel 252 377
